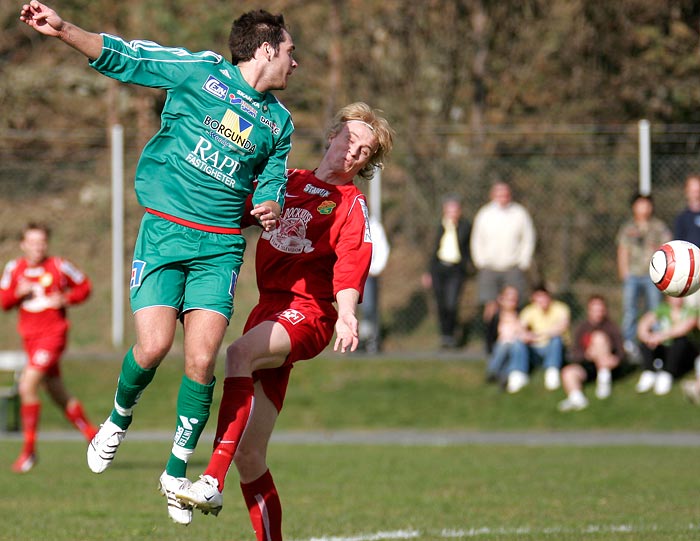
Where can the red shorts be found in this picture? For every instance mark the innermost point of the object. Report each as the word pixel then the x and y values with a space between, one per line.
pixel 44 352
pixel 310 328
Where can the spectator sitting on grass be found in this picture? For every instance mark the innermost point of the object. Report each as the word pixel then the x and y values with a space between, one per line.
pixel 508 347
pixel 597 353
pixel 666 344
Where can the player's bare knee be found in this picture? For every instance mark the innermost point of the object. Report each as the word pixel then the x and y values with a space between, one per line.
pixel 149 354
pixel 238 359
pixel 249 462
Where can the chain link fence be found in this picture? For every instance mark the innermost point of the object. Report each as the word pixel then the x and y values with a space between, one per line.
pixel 576 181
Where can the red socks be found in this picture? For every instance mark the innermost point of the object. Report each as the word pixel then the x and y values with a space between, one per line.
pixel 75 414
pixel 234 411
pixel 264 507
pixel 30 421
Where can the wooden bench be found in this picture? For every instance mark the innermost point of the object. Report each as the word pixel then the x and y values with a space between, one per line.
pixel 10 362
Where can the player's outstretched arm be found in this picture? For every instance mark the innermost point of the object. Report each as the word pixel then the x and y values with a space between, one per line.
pixel 347 337
pixel 46 21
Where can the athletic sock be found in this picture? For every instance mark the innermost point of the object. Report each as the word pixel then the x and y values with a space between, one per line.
pixel 264 507
pixel 30 414
pixel 193 405
pixel 604 375
pixel 132 381
pixel 234 412
pixel 76 415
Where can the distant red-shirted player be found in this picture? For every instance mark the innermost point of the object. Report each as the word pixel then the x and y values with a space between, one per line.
pixel 41 286
pixel 318 255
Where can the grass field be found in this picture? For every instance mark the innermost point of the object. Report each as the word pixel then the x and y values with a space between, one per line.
pixel 365 492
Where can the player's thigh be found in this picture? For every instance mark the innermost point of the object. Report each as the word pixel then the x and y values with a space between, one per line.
pixel 157 275
pixel 266 345
pixel 155 333
pixel 204 331
pixel 212 277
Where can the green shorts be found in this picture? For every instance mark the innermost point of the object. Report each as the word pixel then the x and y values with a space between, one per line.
pixel 184 268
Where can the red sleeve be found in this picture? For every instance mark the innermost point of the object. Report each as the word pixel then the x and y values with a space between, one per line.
pixel 354 250
pixel 78 285
pixel 8 285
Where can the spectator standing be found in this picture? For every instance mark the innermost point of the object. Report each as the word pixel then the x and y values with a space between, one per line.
pixel 41 287
pixel 638 238
pixel 668 336
pixel 686 226
pixel 546 324
pixel 502 245
pixel 448 268
pixel 370 321
pixel 509 349
pixel 596 355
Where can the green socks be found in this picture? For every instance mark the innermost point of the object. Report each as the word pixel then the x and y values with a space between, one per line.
pixel 132 381
pixel 193 405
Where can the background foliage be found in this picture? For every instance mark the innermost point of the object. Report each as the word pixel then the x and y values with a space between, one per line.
pixel 545 94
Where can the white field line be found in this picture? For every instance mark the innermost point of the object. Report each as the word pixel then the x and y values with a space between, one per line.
pixel 485 532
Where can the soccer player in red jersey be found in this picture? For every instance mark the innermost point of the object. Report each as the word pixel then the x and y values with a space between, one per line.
pixel 317 256
pixel 41 287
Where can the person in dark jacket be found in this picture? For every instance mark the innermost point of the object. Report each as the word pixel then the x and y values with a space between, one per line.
pixel 448 268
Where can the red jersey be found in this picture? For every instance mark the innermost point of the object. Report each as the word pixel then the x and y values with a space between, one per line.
pixel 50 276
pixel 321 245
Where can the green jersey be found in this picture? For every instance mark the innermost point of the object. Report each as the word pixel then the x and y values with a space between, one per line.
pixel 217 134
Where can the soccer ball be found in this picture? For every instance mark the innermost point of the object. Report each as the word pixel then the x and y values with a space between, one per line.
pixel 675 268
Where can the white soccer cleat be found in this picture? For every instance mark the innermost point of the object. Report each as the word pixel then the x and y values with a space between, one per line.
pixel 573 403
pixel 552 380
pixel 663 383
pixel 646 381
pixel 103 447
pixel 24 463
pixel 203 494
pixel 516 381
pixel 180 512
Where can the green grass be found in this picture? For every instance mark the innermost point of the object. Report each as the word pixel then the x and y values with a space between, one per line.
pixel 352 392
pixel 512 492
pixel 503 492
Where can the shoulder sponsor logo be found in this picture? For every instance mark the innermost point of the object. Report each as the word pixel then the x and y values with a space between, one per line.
pixel 216 88
pixel 234 128
pixel 245 107
pixel 270 124
pixel 365 213
pixel 225 73
pixel 247 98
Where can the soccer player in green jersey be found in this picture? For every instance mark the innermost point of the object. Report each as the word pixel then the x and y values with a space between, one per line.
pixel 221 128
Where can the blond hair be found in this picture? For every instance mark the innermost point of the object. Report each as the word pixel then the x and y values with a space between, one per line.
pixel 361 112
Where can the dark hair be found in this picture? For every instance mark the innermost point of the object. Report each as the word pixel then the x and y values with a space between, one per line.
pixel 251 30
pixel 640 195
pixel 35 226
pixel 540 287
